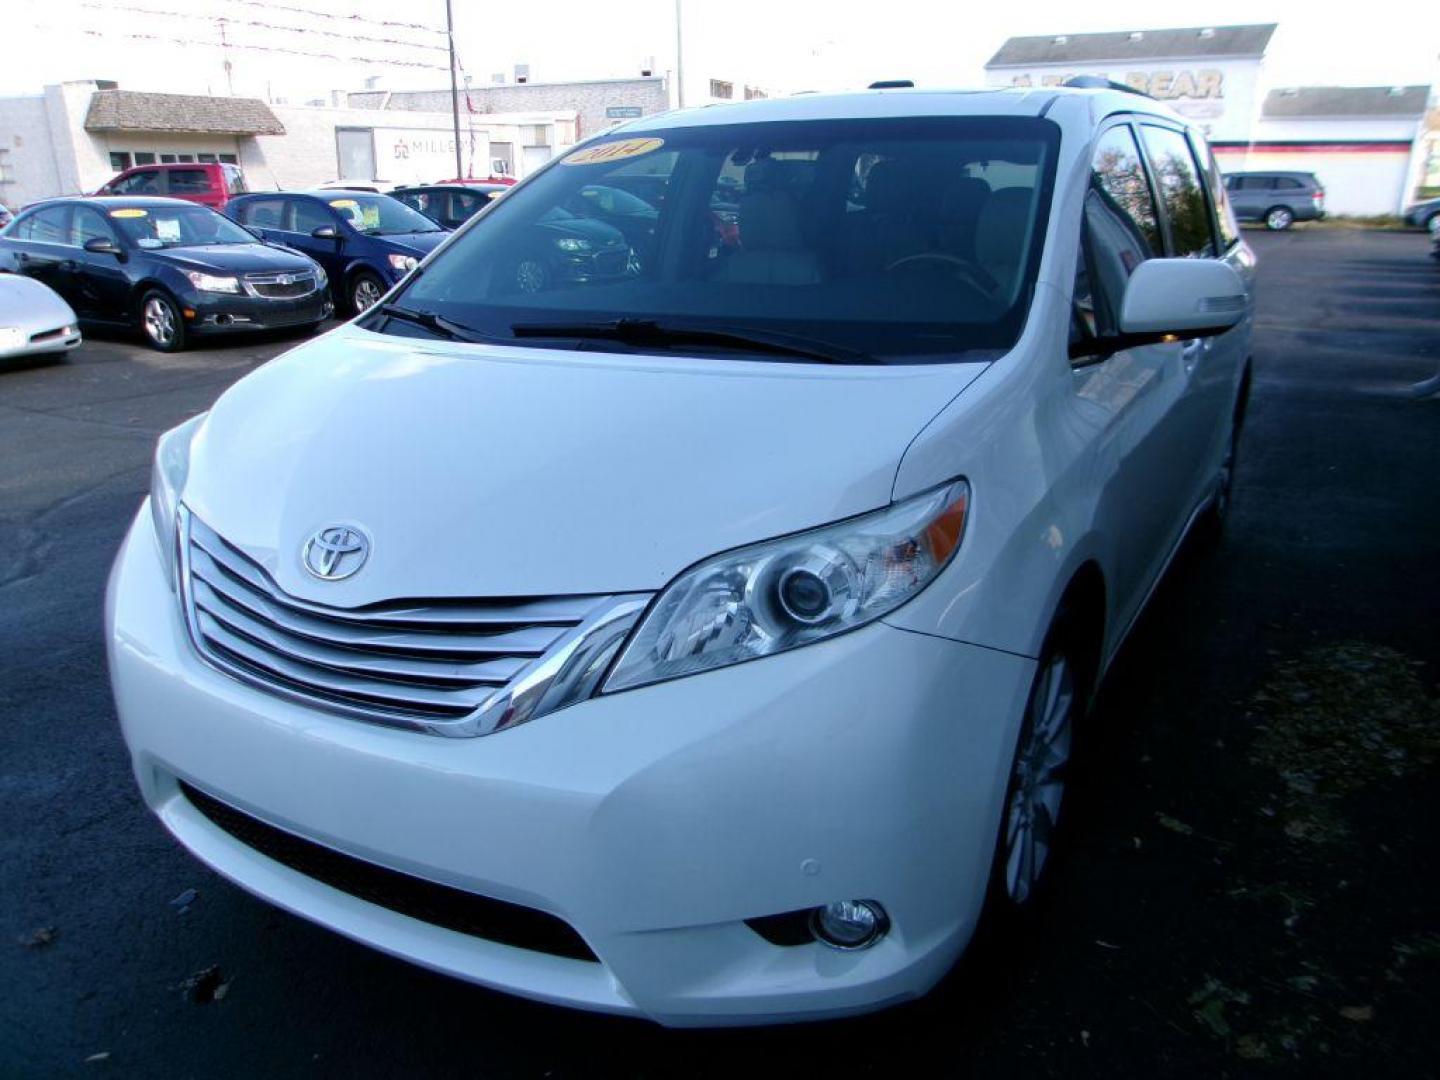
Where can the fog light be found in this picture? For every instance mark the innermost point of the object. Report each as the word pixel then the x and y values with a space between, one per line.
pixel 849 924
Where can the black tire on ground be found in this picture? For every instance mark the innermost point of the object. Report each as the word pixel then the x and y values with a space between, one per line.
pixel 1279 218
pixel 162 322
pixel 365 291
pixel 1064 681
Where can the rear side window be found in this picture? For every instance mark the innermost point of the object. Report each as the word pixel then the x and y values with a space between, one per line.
pixel 189 181
pixel 1178 179
pixel 264 213
pixel 1256 183
pixel 48 226
pixel 1288 183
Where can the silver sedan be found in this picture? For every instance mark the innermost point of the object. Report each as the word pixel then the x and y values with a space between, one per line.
pixel 33 319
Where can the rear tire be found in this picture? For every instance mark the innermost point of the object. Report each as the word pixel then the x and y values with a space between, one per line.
pixel 1279 218
pixel 1432 224
pixel 161 322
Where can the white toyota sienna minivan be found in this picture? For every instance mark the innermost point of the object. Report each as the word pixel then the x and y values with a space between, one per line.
pixel 681 595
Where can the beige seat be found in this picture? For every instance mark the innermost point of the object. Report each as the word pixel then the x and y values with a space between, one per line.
pixel 772 249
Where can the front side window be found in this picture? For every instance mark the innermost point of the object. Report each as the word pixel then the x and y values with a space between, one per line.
pixel 379 215
pixel 1119 232
pixel 140 183
pixel 87 224
pixel 310 214
pixel 904 239
pixel 1219 196
pixel 1178 179
pixel 152 227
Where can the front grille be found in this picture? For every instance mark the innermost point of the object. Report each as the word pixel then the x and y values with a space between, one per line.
pixel 48 335
pixel 416 663
pixel 612 263
pixel 440 905
pixel 280 286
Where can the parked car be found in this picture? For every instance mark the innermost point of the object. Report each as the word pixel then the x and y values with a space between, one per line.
pixel 563 247
pixel 6 216
pixel 34 321
pixel 207 183
pixel 707 643
pixel 449 205
pixel 365 241
pixel 1279 199
pixel 170 268
pixel 1425 215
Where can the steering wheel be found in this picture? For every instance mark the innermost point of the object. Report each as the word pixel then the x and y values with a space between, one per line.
pixel 973 274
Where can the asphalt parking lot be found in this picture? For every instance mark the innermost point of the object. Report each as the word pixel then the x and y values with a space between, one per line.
pixel 1251 884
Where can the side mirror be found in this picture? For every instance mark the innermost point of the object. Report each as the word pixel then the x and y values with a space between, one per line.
pixel 98 245
pixel 1180 299
pixel 325 232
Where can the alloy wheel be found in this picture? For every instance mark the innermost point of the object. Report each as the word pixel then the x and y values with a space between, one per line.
pixel 366 294
pixel 530 275
pixel 159 321
pixel 1279 218
pixel 1037 784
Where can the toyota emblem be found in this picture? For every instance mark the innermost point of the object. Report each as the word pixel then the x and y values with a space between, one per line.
pixel 335 552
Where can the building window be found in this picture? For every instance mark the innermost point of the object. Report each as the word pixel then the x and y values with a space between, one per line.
pixel 539 135
pixel 206 157
pixel 229 159
pixel 119 159
pixel 721 89
pixel 167 159
pixel 187 157
pixel 754 93
pixel 144 157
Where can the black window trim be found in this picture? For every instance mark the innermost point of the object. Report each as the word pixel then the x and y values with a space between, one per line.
pixel 1196 141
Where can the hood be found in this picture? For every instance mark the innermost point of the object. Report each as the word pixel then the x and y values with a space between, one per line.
pixel 31 306
pixel 496 472
pixel 235 258
pixel 418 244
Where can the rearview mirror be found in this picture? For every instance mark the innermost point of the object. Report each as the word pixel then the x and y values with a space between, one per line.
pixel 98 245
pixel 1181 298
pixel 325 232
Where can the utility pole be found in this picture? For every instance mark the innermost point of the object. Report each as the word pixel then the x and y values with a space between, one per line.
pixel 679 59
pixel 454 89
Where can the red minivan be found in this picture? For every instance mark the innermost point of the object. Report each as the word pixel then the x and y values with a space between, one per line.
pixel 208 183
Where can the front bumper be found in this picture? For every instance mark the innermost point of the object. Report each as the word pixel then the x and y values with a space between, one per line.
pixel 226 313
pixel 654 822
pixel 40 344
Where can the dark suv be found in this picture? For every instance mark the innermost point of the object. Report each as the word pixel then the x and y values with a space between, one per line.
pixel 1279 199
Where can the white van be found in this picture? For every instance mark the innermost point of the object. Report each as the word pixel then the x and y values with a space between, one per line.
pixel 688 609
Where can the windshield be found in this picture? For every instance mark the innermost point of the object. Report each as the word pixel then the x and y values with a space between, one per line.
pixel 177 226
pixel 379 215
pixel 907 240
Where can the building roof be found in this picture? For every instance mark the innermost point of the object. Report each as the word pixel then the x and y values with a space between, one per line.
pixel 132 110
pixel 1194 41
pixel 1315 101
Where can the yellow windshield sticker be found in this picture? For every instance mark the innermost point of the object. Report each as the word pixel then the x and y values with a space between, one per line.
pixel 612 151
pixel 128 212
pixel 344 204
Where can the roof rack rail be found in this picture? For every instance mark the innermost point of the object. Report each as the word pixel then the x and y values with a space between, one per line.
pixel 1099 82
pixel 892 84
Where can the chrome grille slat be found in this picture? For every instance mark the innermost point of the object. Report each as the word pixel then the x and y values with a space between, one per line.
pixel 398 668
pixel 415 698
pixel 527 641
pixel 441 667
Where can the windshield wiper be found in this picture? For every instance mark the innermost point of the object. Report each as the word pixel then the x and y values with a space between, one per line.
pixel 652 332
pixel 436 324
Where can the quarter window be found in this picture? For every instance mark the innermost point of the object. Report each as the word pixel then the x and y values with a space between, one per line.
pixel 1178 179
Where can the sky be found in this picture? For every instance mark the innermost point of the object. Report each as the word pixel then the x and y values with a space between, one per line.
pixel 785 45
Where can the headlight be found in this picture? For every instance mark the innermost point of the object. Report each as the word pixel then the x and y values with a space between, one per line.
pixel 403 263
pixel 572 243
pixel 167 482
pixel 321 279
pixel 212 283
pixel 795 591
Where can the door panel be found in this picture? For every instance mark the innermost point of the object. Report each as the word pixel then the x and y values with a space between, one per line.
pixel 99 283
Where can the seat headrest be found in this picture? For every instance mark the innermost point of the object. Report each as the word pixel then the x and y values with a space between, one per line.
pixel 892 187
pixel 769 221
pixel 963 198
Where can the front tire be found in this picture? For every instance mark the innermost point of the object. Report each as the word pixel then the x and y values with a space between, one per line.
pixel 1432 224
pixel 365 292
pixel 161 322
pixel 1279 218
